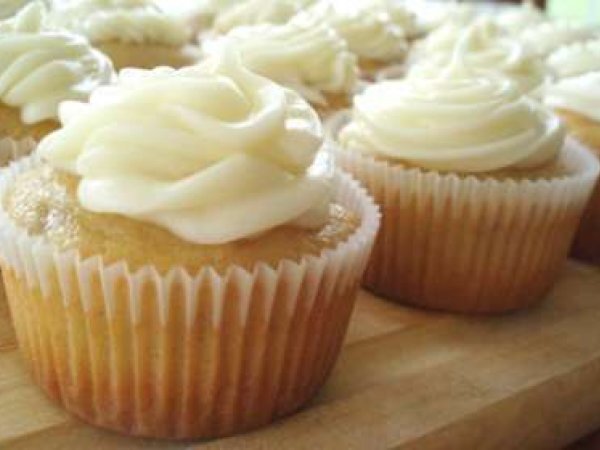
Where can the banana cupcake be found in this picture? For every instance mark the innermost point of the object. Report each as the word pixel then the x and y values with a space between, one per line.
pixel 196 257
pixel 577 101
pixel 576 59
pixel 482 47
pixel 303 55
pixel 133 33
pixel 368 28
pixel 255 12
pixel 480 194
pixel 38 70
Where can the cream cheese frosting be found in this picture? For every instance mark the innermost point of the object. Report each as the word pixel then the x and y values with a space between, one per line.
pixel 580 94
pixel 546 37
pixel 214 153
pixel 482 47
pixel 127 21
pixel 518 18
pixel 306 56
pixel 576 59
pixel 367 27
pixel 40 69
pixel 458 122
pixel 253 12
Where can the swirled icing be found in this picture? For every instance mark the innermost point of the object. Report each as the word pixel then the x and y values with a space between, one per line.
pixel 128 21
pixel 213 153
pixel 457 122
pixel 481 47
pixel 40 69
pixel 576 59
pixel 580 94
pixel 546 37
pixel 518 18
pixel 305 56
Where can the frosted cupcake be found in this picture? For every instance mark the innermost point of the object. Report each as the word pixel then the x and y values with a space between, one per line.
pixel 255 12
pixel 303 55
pixel 576 59
pixel 577 101
pixel 40 69
pixel 368 29
pixel 196 262
pixel 480 195
pixel 547 37
pixel 133 33
pixel 481 47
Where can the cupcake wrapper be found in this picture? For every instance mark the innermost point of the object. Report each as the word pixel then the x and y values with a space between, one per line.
pixel 180 356
pixel 12 150
pixel 468 244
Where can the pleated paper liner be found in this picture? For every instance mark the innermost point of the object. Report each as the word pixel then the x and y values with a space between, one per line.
pixel 181 356
pixel 468 244
pixel 587 238
pixel 12 150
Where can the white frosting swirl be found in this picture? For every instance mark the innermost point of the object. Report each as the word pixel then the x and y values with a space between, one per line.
pixel 580 94
pixel 40 69
pixel 482 47
pixel 128 21
pixel 213 152
pixel 576 59
pixel 253 12
pixel 457 122
pixel 517 18
pixel 451 24
pixel 546 37
pixel 305 56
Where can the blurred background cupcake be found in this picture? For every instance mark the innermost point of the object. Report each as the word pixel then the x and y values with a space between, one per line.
pixel 575 59
pixel 133 33
pixel 480 194
pixel 304 55
pixel 577 101
pixel 183 293
pixel 41 68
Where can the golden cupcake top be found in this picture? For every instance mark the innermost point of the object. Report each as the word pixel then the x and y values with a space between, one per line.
pixel 367 26
pixel 253 12
pixel 127 21
pixel 307 56
pixel 481 46
pixel 580 94
pixel 576 59
pixel 41 68
pixel 213 153
pixel 459 121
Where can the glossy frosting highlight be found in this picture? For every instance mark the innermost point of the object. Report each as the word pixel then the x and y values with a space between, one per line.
pixel 214 153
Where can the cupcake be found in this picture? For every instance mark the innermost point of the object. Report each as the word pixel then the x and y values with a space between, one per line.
pixel 40 69
pixel 255 12
pixel 303 55
pixel 368 28
pixel 196 260
pixel 547 37
pixel 577 101
pixel 133 33
pixel 482 47
pixel 576 59
pixel 480 194
pixel 518 18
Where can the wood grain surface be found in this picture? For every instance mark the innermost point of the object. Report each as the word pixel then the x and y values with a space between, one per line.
pixel 406 379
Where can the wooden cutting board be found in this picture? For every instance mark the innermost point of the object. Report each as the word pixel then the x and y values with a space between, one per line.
pixel 407 379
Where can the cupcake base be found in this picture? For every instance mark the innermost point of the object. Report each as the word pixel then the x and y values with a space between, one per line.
pixel 179 356
pixel 467 244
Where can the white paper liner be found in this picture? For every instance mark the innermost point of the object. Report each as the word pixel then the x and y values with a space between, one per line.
pixel 465 243
pixel 12 150
pixel 181 356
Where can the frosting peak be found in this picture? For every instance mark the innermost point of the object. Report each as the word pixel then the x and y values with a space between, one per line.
pixel 213 152
pixel 457 122
pixel 580 94
pixel 41 69
pixel 306 56
pixel 129 21
pixel 576 59
pixel 546 37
